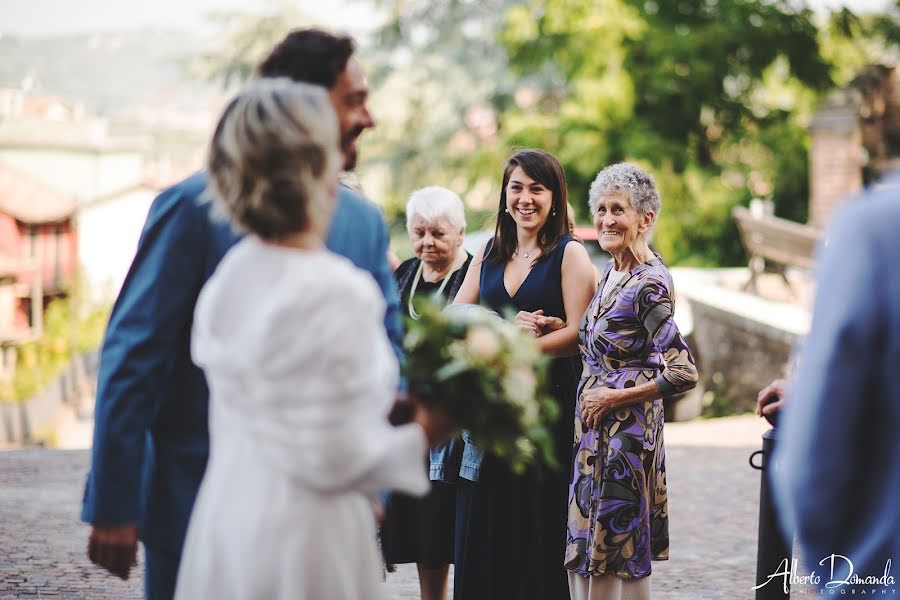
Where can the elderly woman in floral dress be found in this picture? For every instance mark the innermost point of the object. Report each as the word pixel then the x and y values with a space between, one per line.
pixel 633 355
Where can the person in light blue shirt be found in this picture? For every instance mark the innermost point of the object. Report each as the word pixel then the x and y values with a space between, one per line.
pixel 836 472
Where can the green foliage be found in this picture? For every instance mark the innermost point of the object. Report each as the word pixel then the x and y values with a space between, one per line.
pixel 716 402
pixel 851 42
pixel 703 94
pixel 712 97
pixel 695 224
pixel 440 80
pixel 40 361
pixel 245 39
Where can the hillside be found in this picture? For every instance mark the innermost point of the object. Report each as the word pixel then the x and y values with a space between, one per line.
pixel 109 73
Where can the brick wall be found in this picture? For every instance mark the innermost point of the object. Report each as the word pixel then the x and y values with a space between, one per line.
pixel 836 155
pixel 854 134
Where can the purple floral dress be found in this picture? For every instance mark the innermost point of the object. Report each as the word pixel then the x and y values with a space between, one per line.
pixel 618 508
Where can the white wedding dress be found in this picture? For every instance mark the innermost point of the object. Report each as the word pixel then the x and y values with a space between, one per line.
pixel 301 379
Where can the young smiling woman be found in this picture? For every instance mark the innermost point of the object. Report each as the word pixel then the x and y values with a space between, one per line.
pixel 510 529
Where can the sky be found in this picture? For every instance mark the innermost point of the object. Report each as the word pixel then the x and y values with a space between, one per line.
pixel 52 17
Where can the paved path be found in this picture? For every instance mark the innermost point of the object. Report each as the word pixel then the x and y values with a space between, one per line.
pixel 713 512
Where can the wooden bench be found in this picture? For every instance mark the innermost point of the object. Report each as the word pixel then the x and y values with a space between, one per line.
pixel 777 242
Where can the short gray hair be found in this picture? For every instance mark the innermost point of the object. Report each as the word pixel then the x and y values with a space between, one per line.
pixel 272 148
pixel 435 202
pixel 630 181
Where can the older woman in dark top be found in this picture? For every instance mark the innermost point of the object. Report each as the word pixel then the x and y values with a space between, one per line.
pixel 633 355
pixel 421 531
pixel 436 221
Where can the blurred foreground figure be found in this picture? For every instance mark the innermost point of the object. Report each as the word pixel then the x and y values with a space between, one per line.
pixel 300 369
pixel 837 473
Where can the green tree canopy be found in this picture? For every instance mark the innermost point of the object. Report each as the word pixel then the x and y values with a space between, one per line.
pixel 712 96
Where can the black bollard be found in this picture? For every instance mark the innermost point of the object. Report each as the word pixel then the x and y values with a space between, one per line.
pixel 771 549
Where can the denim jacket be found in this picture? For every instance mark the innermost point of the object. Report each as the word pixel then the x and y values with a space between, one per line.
pixel 457 458
pixel 472 455
pixel 444 461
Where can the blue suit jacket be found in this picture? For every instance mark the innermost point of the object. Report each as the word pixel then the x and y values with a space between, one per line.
pixel 150 434
pixel 837 463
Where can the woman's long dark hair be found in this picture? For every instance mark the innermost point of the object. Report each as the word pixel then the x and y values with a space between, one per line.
pixel 546 170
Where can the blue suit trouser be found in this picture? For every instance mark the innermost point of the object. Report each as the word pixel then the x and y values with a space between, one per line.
pixel 160 574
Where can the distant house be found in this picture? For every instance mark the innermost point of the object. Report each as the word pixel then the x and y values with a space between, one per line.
pixel 38 240
pixel 108 233
pixel 105 182
pixel 73 202
pixel 8 270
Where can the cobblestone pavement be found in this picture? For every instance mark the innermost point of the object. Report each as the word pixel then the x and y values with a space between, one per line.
pixel 713 501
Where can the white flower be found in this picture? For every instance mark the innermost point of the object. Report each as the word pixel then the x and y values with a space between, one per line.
pixel 523 382
pixel 413 338
pixel 524 447
pixel 519 386
pixel 531 414
pixel 458 351
pixel 482 342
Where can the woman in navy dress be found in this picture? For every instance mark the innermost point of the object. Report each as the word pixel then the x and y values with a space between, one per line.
pixel 511 529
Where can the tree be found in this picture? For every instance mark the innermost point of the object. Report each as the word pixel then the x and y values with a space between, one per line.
pixel 244 40
pixel 688 88
pixel 441 80
pixel 710 96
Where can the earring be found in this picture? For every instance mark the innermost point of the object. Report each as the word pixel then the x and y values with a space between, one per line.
pixel 506 210
pixel 553 214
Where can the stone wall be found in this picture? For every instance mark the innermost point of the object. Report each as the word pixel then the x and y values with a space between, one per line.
pixel 741 341
pixel 737 356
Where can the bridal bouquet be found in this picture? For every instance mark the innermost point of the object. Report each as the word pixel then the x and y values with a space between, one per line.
pixel 487 375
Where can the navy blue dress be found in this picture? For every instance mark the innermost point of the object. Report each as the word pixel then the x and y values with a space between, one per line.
pixel 511 529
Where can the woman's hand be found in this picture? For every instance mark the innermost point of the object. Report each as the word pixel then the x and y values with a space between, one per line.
pixel 529 321
pixel 550 324
pixel 596 403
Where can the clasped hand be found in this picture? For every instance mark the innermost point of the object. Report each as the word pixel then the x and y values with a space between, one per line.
pixel 537 323
pixel 596 403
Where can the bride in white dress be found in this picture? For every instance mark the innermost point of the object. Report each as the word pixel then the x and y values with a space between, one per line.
pixel 300 371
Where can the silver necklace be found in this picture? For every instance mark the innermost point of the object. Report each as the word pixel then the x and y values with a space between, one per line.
pixel 526 253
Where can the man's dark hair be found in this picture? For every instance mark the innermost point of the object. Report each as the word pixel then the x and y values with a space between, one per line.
pixel 309 55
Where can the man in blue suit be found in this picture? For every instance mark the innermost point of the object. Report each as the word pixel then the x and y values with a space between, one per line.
pixel 150 439
pixel 837 461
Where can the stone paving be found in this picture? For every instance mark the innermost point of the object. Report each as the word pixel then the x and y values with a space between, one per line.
pixel 713 512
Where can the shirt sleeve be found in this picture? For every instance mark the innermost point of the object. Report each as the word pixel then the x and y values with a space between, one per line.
pixel 655 310
pixel 826 465
pixel 385 280
pixel 327 393
pixel 149 323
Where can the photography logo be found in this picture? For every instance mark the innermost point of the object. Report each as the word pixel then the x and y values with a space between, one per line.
pixel 842 580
